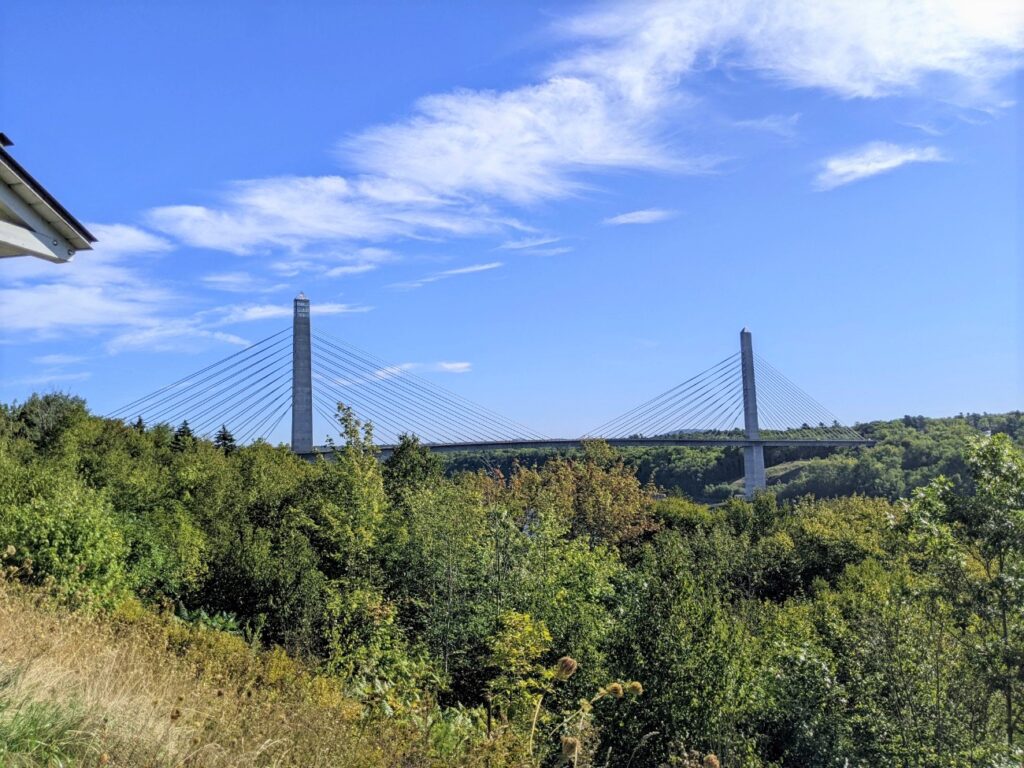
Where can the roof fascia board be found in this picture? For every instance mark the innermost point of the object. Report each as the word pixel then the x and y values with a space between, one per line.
pixel 57 248
pixel 29 243
pixel 47 200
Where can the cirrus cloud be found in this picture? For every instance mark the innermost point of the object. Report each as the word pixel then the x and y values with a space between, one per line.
pixel 645 216
pixel 871 160
pixel 458 160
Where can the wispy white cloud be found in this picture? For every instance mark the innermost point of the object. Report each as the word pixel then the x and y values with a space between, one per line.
pixel 527 242
pixel 870 160
pixel 469 270
pixel 124 239
pixel 299 212
pixel 57 360
pixel 253 312
pixel 100 289
pixel 536 246
pixel 75 309
pixel 392 371
pixel 854 48
pixel 171 336
pixel 780 125
pixel 239 282
pixel 350 269
pixel 521 145
pixel 45 378
pixel 357 261
pixel 458 161
pixel 395 371
pixel 646 216
pixel 293 266
pixel 557 251
pixel 453 367
pixel 205 326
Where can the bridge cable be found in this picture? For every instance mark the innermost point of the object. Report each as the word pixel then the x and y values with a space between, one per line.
pixel 272 407
pixel 380 396
pixel 173 403
pixel 179 408
pixel 436 391
pixel 240 402
pixel 404 383
pixel 219 403
pixel 689 405
pixel 360 407
pixel 655 401
pixel 172 385
pixel 446 416
pixel 397 391
pixel 830 424
pixel 258 407
pixel 707 408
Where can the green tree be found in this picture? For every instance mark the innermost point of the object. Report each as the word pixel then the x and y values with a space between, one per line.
pixel 57 532
pixel 677 636
pixel 225 440
pixel 183 438
pixel 43 419
pixel 975 541
pixel 411 466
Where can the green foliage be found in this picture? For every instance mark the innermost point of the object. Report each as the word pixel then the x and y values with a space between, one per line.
pixel 693 656
pixel 974 542
pixel 515 650
pixel 843 627
pixel 40 733
pixel 183 438
pixel 225 440
pixel 43 419
pixel 57 532
pixel 409 468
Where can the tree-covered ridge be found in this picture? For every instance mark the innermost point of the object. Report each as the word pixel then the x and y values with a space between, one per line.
pixel 908 454
pixel 564 613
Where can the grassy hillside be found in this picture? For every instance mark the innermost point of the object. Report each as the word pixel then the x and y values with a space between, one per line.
pixel 133 688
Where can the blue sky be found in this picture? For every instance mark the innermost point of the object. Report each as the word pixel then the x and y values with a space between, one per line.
pixel 556 210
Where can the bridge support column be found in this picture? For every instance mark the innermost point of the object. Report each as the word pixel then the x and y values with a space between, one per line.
pixel 302 379
pixel 753 454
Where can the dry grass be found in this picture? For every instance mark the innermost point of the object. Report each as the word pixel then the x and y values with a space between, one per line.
pixel 141 690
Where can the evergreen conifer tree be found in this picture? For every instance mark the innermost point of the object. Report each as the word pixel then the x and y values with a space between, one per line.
pixel 225 440
pixel 183 437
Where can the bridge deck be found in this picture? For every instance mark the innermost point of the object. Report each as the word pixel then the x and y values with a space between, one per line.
pixel 654 442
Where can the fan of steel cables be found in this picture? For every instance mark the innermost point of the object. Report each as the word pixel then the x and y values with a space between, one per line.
pixel 249 392
pixel 709 406
pixel 397 401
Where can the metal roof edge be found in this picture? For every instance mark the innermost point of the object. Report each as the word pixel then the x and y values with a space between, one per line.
pixel 45 196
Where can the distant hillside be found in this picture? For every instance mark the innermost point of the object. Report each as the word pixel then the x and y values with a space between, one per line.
pixel 908 454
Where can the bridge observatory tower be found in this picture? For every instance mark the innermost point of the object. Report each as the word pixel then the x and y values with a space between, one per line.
pixel 753 452
pixel 302 378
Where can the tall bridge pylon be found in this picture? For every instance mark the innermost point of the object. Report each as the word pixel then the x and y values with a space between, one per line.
pixel 753 454
pixel 302 378
pixel 740 402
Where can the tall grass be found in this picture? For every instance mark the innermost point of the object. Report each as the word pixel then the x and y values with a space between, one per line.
pixel 135 689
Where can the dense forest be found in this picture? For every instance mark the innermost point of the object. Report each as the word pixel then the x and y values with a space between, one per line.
pixel 583 610
pixel 908 453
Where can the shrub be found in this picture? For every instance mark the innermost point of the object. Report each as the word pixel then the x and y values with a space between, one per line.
pixel 57 532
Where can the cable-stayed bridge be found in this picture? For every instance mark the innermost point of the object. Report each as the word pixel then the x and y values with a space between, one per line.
pixel 741 401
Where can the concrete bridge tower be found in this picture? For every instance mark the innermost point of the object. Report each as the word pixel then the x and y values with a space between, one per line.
pixel 753 454
pixel 302 379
